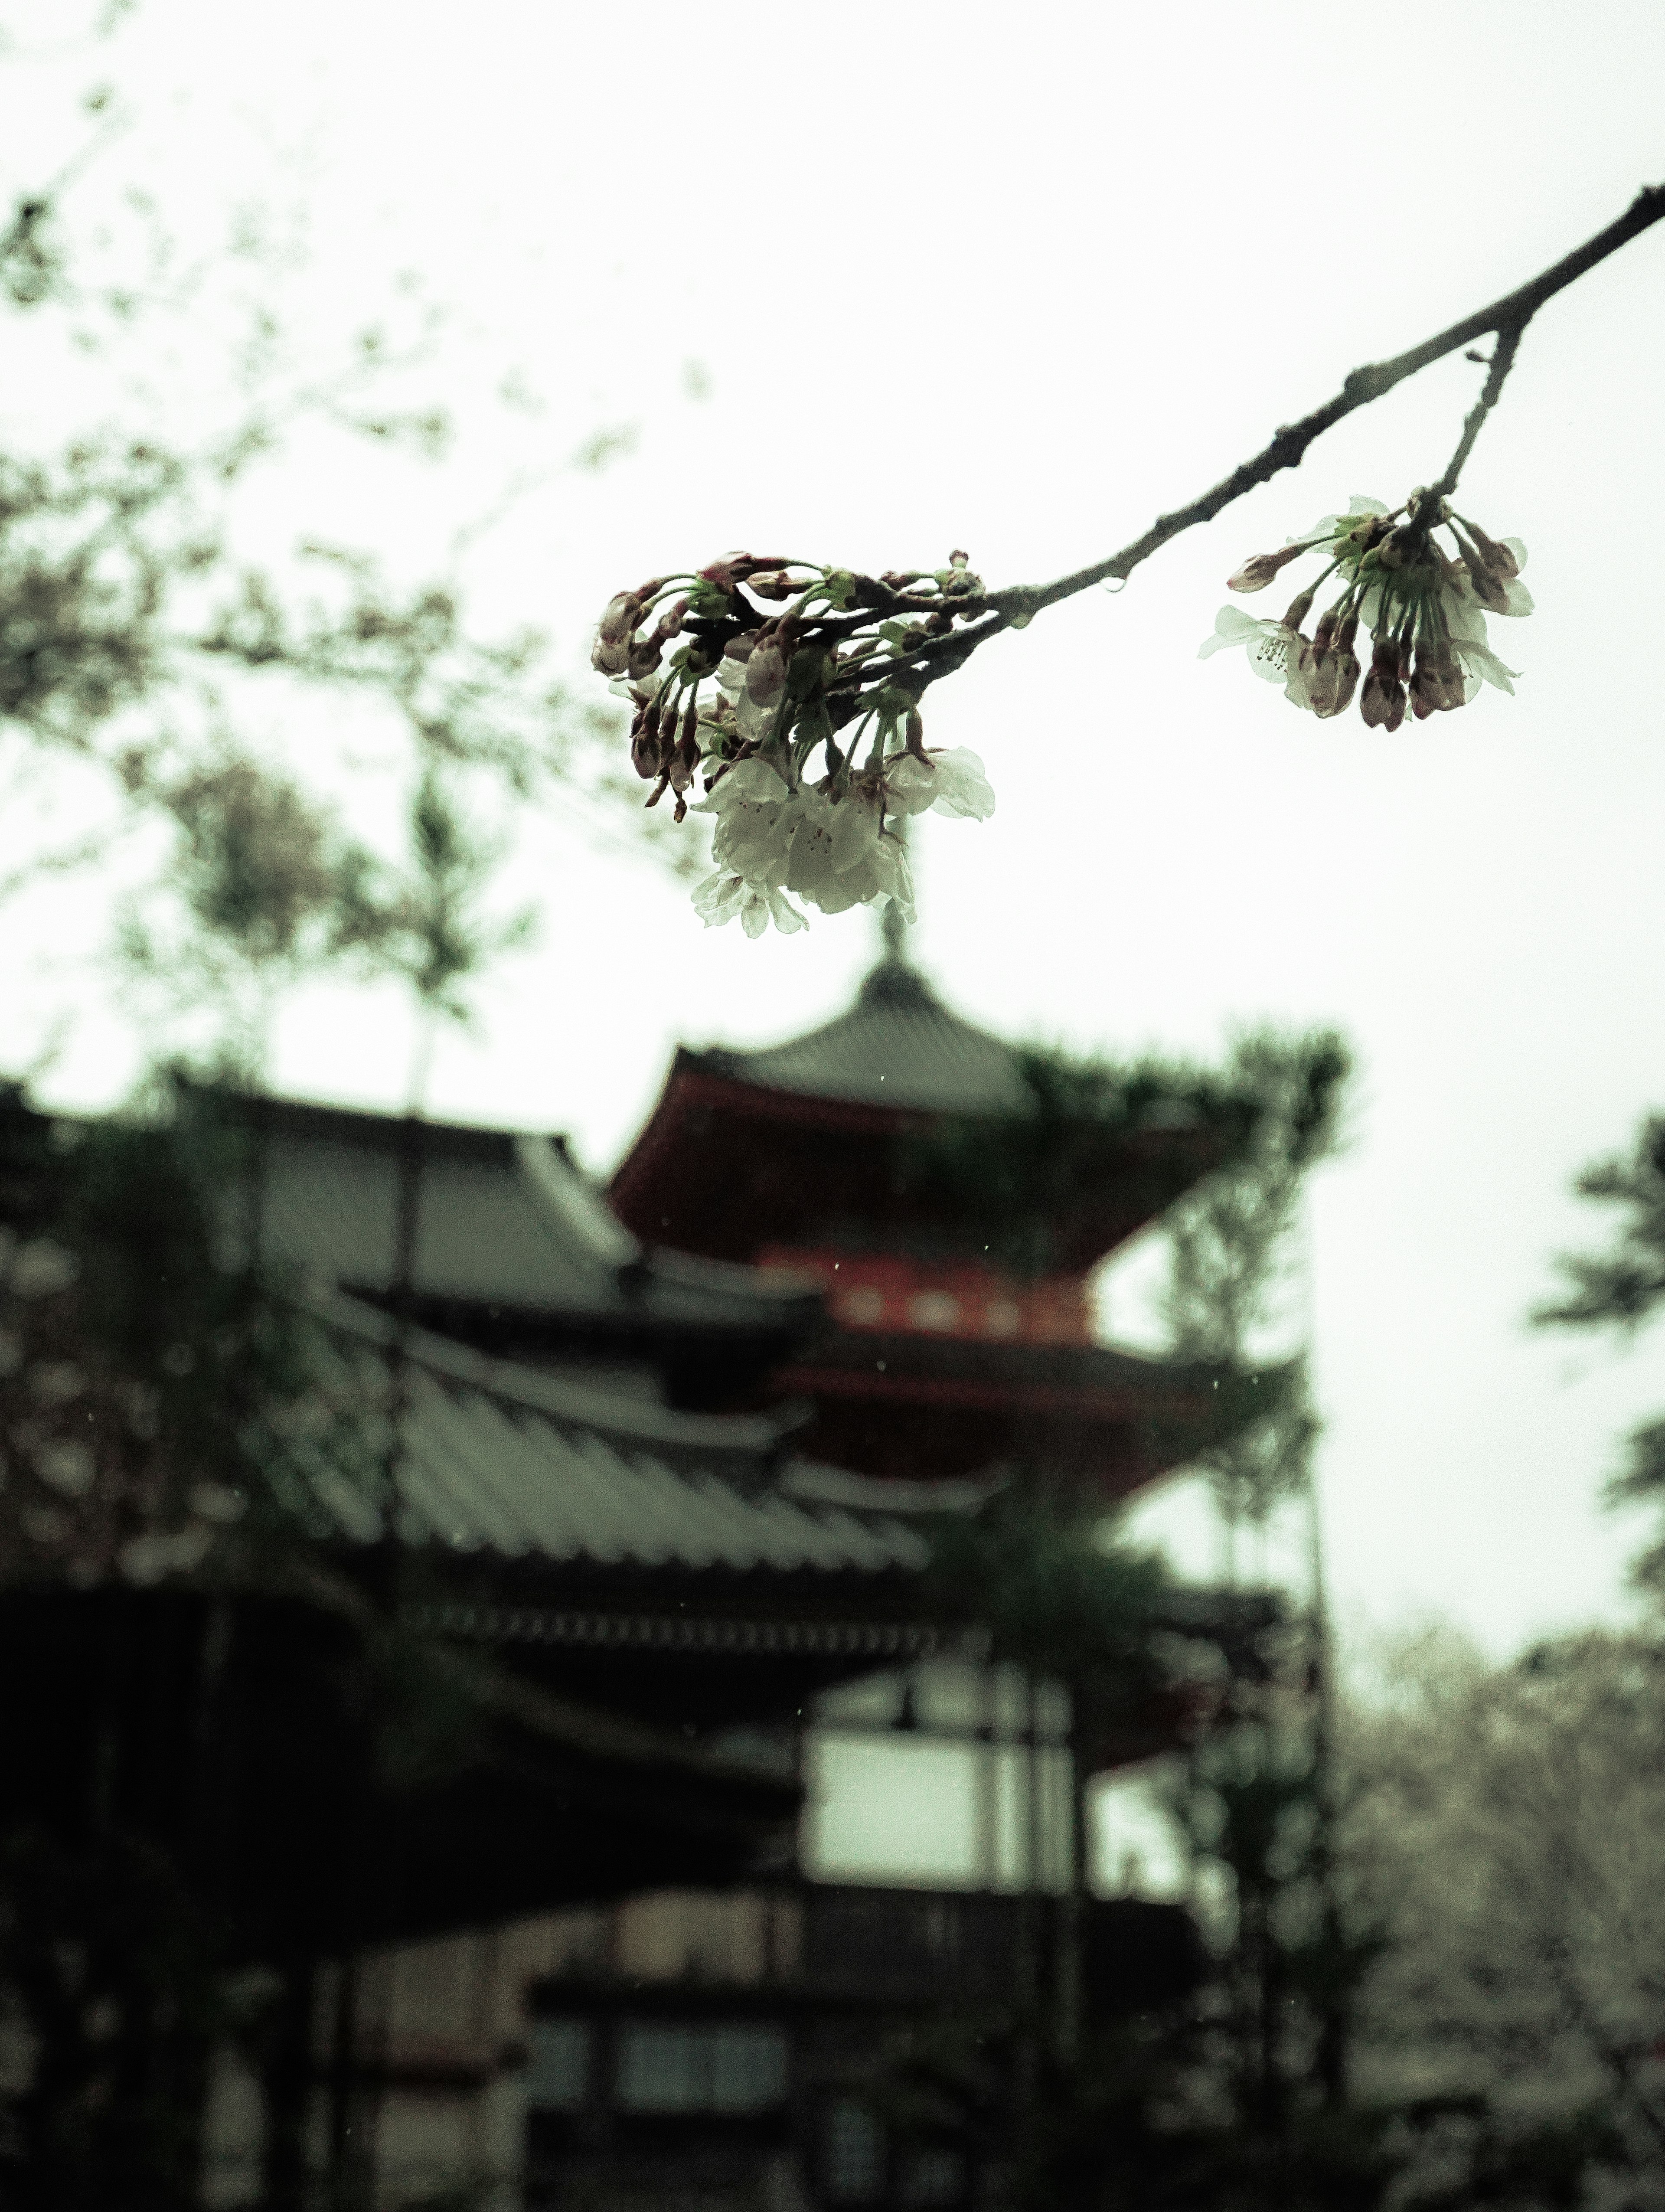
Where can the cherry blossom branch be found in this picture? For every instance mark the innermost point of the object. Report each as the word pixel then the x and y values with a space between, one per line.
pixel 1506 318
pixel 1016 605
pixel 725 688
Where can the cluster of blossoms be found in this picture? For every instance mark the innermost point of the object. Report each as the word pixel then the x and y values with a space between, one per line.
pixel 1425 609
pixel 802 727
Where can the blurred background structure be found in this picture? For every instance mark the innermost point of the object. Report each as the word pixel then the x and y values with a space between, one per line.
pixel 555 1557
pixel 811 1670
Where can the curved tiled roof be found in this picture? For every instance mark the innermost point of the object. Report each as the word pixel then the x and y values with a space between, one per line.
pixel 898 1045
pixel 498 1460
pixel 502 1219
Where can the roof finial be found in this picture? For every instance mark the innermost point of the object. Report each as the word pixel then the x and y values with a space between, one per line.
pixel 892 923
pixel 892 927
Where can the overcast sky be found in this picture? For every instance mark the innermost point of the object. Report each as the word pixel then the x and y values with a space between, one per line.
pixel 871 284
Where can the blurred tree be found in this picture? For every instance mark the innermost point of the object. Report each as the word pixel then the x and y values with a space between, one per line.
pixel 1505 1824
pixel 1238 2095
pixel 223 730
pixel 1621 1289
pixel 1230 1266
pixel 197 718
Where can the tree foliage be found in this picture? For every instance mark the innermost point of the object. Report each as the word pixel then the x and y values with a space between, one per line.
pixel 1622 1288
pixel 1503 1825
pixel 1230 1265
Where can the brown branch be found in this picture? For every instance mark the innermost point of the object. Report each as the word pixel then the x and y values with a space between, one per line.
pixel 1502 360
pixel 1507 317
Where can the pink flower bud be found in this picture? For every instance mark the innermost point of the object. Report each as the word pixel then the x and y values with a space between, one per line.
pixel 1382 702
pixel 644 746
pixel 611 652
pixel 1438 685
pixel 735 568
pixel 1298 610
pixel 1344 667
pixel 1258 572
pixel 1319 668
pixel 688 747
pixel 1488 587
pixel 1496 556
pixel 619 616
pixel 766 673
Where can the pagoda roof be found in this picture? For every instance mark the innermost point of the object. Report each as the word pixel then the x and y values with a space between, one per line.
pixel 898 1047
pixel 826 1141
pixel 501 1463
pixel 507 1227
pixel 888 1402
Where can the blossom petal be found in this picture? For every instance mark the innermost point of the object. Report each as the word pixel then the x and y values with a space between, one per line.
pixel 1479 660
pixel 855 826
pixel 1232 626
pixel 751 781
pixel 635 687
pixel 717 899
pixel 963 788
pixel 754 719
pixel 1272 654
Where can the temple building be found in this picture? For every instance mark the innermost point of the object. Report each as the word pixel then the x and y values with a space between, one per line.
pixel 655 1482
pixel 742 2050
pixel 814 1157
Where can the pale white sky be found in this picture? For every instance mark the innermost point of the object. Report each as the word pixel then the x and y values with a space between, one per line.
pixel 1015 280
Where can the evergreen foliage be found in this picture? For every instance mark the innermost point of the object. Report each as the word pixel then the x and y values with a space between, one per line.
pixel 1015 1181
pixel 1229 1268
pixel 1622 1289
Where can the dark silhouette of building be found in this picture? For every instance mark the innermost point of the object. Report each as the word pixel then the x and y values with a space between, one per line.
pixel 651 1493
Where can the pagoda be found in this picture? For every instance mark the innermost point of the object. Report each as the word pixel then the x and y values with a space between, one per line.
pixel 940 1357
pixel 735 2047
pixel 642 1481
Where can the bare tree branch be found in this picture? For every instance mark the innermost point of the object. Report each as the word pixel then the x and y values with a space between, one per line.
pixel 1508 317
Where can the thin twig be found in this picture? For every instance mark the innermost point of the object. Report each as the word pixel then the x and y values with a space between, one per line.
pixel 1502 360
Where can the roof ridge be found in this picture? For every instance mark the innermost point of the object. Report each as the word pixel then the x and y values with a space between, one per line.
pixel 604 1412
pixel 323 1113
pixel 896 1045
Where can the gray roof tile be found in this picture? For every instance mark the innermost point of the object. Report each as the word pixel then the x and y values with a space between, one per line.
pixel 502 1219
pixel 500 1460
pixel 898 1045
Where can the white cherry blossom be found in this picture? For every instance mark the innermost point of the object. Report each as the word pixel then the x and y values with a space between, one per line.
pixel 950 781
pixel 1273 647
pixel 845 853
pixel 1466 625
pixel 726 897
pixel 882 874
pixel 751 802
